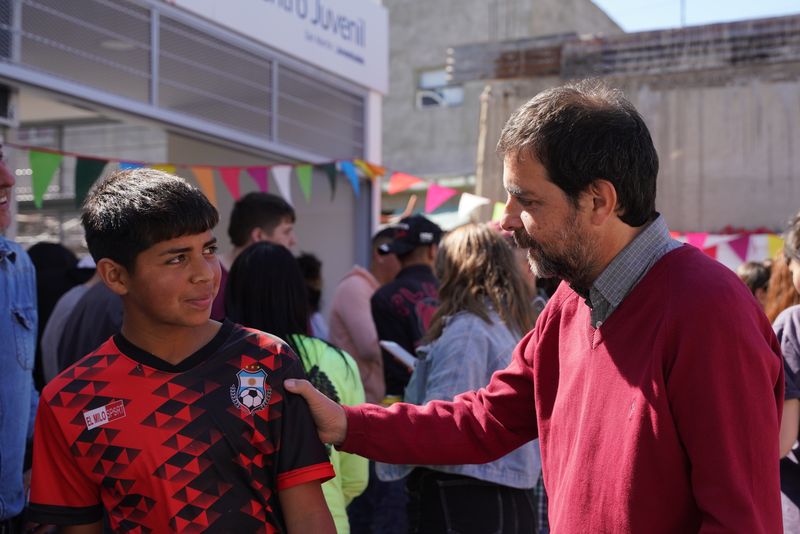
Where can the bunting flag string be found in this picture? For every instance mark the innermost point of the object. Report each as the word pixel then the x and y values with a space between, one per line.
pixel 732 247
pixel 44 162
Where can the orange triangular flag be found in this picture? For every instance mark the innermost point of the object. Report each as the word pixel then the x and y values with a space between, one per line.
pixel 205 179
pixel 400 182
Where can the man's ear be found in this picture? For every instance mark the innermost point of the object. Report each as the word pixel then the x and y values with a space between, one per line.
pixel 432 251
pixel 603 196
pixel 113 275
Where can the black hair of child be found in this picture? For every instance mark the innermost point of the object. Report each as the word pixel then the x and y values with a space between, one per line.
pixel 129 211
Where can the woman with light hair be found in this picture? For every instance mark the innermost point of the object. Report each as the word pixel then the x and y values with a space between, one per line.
pixel 484 312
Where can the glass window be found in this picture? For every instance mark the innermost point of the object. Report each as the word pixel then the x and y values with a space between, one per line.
pixel 433 90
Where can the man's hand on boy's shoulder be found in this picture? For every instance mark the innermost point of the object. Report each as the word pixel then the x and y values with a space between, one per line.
pixel 328 416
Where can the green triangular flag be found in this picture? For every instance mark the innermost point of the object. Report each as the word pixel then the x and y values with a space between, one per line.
pixel 43 167
pixel 87 171
pixel 303 173
pixel 499 209
pixel 330 170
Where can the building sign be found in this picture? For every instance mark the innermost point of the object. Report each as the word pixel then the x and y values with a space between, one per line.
pixel 349 38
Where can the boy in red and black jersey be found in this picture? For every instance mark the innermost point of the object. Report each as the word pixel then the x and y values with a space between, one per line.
pixel 178 423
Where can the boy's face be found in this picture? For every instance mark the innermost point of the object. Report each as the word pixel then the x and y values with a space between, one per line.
pixel 174 282
pixel 283 234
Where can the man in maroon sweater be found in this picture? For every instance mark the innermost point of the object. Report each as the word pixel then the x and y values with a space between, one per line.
pixel 652 378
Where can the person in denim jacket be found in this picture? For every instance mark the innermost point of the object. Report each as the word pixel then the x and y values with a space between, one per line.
pixel 484 311
pixel 18 397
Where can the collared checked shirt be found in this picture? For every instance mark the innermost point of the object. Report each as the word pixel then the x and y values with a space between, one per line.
pixel 628 268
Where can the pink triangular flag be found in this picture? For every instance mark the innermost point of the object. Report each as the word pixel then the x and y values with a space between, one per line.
pixel 400 182
pixel 740 246
pixel 230 177
pixel 697 239
pixel 437 195
pixel 259 176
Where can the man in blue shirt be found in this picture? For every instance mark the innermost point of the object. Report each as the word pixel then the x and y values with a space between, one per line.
pixel 18 397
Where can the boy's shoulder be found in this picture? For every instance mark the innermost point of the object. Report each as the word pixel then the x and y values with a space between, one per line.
pixel 252 343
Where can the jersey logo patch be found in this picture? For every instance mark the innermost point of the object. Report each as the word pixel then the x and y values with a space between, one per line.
pixel 251 393
pixel 104 414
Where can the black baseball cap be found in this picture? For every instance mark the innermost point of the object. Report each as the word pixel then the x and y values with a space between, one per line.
pixel 411 233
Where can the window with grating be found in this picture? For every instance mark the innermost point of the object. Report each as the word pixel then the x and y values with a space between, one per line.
pixel 100 43
pixel 318 117
pixel 6 11
pixel 208 78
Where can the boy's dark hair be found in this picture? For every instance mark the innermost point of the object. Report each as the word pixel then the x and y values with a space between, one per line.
pixel 257 210
pixel 130 211
pixel 791 245
pixel 584 132
pixel 754 274
pixel 311 267
pixel 266 291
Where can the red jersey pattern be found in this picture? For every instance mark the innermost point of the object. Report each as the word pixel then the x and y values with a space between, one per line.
pixel 203 446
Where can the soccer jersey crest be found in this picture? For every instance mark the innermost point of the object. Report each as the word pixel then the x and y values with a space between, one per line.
pixel 251 392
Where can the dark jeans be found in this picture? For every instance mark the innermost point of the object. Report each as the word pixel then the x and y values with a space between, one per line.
pixel 14 525
pixel 441 503
pixel 381 509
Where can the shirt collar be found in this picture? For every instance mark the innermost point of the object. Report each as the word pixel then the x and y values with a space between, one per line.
pixel 6 251
pixel 630 265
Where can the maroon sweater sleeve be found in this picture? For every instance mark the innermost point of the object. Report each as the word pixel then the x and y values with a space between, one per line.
pixel 726 393
pixel 476 427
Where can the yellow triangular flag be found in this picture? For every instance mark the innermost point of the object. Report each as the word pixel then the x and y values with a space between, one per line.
pixel 169 169
pixel 366 169
pixel 205 179
pixel 774 244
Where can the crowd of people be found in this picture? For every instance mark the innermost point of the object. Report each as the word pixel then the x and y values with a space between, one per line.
pixel 573 368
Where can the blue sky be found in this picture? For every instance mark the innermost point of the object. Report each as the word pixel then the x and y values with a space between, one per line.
pixel 639 15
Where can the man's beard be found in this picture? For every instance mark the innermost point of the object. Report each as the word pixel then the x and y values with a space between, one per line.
pixel 574 263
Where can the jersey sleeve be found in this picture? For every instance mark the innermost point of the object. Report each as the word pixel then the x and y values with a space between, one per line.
pixel 61 492
pixel 301 457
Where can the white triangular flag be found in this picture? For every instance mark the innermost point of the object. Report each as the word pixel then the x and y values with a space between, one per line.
pixel 468 203
pixel 282 174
